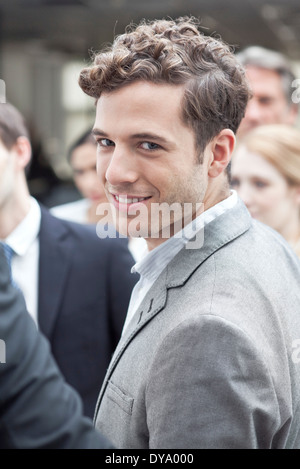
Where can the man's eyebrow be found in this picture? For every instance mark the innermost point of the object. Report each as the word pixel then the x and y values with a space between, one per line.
pixel 142 135
pixel 150 136
pixel 98 132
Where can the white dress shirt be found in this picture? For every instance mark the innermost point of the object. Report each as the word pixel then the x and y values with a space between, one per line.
pixel 151 266
pixel 24 241
pixel 73 211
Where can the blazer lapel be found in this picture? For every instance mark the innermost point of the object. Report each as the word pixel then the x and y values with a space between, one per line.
pixel 54 264
pixel 152 304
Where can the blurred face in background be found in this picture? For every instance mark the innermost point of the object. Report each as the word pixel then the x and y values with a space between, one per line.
pixel 265 191
pixel 268 104
pixel 83 162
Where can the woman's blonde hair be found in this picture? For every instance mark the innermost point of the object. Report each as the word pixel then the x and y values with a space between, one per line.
pixel 279 144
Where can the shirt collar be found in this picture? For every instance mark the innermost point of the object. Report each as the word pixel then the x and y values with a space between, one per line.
pixel 155 261
pixel 22 237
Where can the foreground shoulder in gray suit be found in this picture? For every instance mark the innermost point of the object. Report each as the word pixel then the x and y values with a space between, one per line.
pixel 37 408
pixel 209 359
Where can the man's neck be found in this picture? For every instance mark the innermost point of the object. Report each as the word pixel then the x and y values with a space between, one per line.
pixel 13 213
pixel 209 201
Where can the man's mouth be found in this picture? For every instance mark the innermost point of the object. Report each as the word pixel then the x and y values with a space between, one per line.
pixel 124 199
pixel 126 203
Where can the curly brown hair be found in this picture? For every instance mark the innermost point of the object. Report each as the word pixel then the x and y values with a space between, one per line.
pixel 176 52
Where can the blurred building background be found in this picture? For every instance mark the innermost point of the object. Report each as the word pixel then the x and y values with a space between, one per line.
pixel 45 43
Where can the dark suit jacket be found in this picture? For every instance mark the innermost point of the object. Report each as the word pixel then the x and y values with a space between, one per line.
pixel 37 408
pixel 84 290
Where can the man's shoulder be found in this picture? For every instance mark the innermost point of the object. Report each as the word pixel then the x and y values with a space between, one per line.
pixel 260 256
pixel 230 246
pixel 265 239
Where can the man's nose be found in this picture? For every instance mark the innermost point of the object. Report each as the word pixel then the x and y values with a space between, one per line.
pixel 253 111
pixel 122 168
pixel 245 194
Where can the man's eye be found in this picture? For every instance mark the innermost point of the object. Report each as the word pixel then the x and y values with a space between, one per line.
pixel 266 101
pixel 149 146
pixel 260 184
pixel 105 142
pixel 78 172
pixel 235 182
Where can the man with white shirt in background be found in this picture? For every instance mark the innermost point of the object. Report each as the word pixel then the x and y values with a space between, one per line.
pixel 65 271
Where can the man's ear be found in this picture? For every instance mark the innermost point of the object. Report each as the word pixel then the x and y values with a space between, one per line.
pixel 23 150
pixel 222 147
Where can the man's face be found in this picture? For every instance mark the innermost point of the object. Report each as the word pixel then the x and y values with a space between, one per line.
pixel 146 156
pixel 7 175
pixel 268 104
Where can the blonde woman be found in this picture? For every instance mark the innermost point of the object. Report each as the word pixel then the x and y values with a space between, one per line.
pixel 266 174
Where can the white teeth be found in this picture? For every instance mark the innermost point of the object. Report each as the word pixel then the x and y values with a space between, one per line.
pixel 127 200
pixel 121 199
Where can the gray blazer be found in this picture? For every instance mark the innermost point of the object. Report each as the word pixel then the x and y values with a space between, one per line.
pixel 210 358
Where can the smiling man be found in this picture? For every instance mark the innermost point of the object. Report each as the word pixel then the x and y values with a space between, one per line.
pixel 205 358
pixel 164 153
